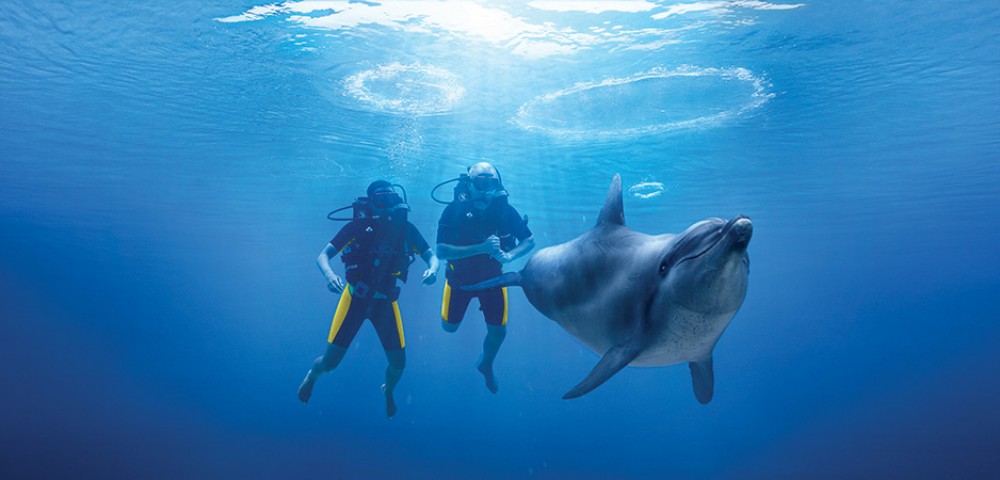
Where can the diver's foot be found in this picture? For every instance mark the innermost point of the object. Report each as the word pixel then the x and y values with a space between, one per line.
pixel 306 389
pixel 491 380
pixel 390 404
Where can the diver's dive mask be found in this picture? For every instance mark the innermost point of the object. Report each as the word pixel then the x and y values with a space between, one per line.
pixel 488 186
pixel 486 183
pixel 386 200
pixel 382 196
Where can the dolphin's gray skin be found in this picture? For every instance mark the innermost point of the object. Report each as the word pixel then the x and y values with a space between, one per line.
pixel 638 299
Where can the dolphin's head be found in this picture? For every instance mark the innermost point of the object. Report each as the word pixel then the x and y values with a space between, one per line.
pixel 704 269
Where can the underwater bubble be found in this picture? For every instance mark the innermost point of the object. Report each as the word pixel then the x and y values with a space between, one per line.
pixel 405 89
pixel 652 102
pixel 646 190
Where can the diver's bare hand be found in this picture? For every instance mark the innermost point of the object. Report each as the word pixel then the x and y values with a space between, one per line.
pixel 492 245
pixel 336 285
pixel 430 276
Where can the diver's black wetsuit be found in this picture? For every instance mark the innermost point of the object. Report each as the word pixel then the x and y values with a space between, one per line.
pixel 461 224
pixel 371 278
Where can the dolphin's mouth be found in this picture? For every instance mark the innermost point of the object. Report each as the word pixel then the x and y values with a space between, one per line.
pixel 717 236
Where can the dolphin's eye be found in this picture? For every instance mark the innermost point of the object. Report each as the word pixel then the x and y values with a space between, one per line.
pixel 663 268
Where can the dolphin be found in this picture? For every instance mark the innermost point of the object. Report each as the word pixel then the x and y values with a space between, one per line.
pixel 638 299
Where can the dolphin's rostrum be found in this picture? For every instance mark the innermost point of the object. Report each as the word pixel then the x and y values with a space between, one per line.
pixel 642 300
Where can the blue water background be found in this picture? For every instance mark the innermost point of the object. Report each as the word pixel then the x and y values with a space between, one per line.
pixel 164 178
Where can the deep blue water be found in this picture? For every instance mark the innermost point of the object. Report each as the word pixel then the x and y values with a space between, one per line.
pixel 166 170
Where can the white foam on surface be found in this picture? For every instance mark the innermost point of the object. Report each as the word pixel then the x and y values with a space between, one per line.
pixel 495 25
pixel 594 6
pixel 723 7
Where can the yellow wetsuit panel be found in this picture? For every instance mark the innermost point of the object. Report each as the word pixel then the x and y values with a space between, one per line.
pixel 338 318
pixel 504 321
pixel 445 301
pixel 399 324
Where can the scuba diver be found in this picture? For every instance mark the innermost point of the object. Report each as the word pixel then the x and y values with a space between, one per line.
pixel 477 233
pixel 377 246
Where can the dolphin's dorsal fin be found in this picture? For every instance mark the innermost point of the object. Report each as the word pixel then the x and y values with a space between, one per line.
pixel 614 360
pixel 613 213
pixel 702 379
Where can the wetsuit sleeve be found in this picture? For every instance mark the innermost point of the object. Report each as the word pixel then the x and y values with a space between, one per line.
pixel 415 241
pixel 514 223
pixel 345 236
pixel 447 228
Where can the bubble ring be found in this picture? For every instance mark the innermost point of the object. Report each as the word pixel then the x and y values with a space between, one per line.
pixel 416 89
pixel 756 99
pixel 646 190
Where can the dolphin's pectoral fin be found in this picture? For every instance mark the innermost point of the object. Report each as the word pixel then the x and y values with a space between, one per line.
pixel 614 360
pixel 703 380
pixel 506 280
pixel 613 213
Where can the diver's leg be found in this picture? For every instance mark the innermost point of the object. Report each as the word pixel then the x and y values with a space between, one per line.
pixel 397 362
pixel 491 346
pixel 346 322
pixel 324 363
pixel 449 327
pixel 389 326
pixel 454 303
pixel 493 303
